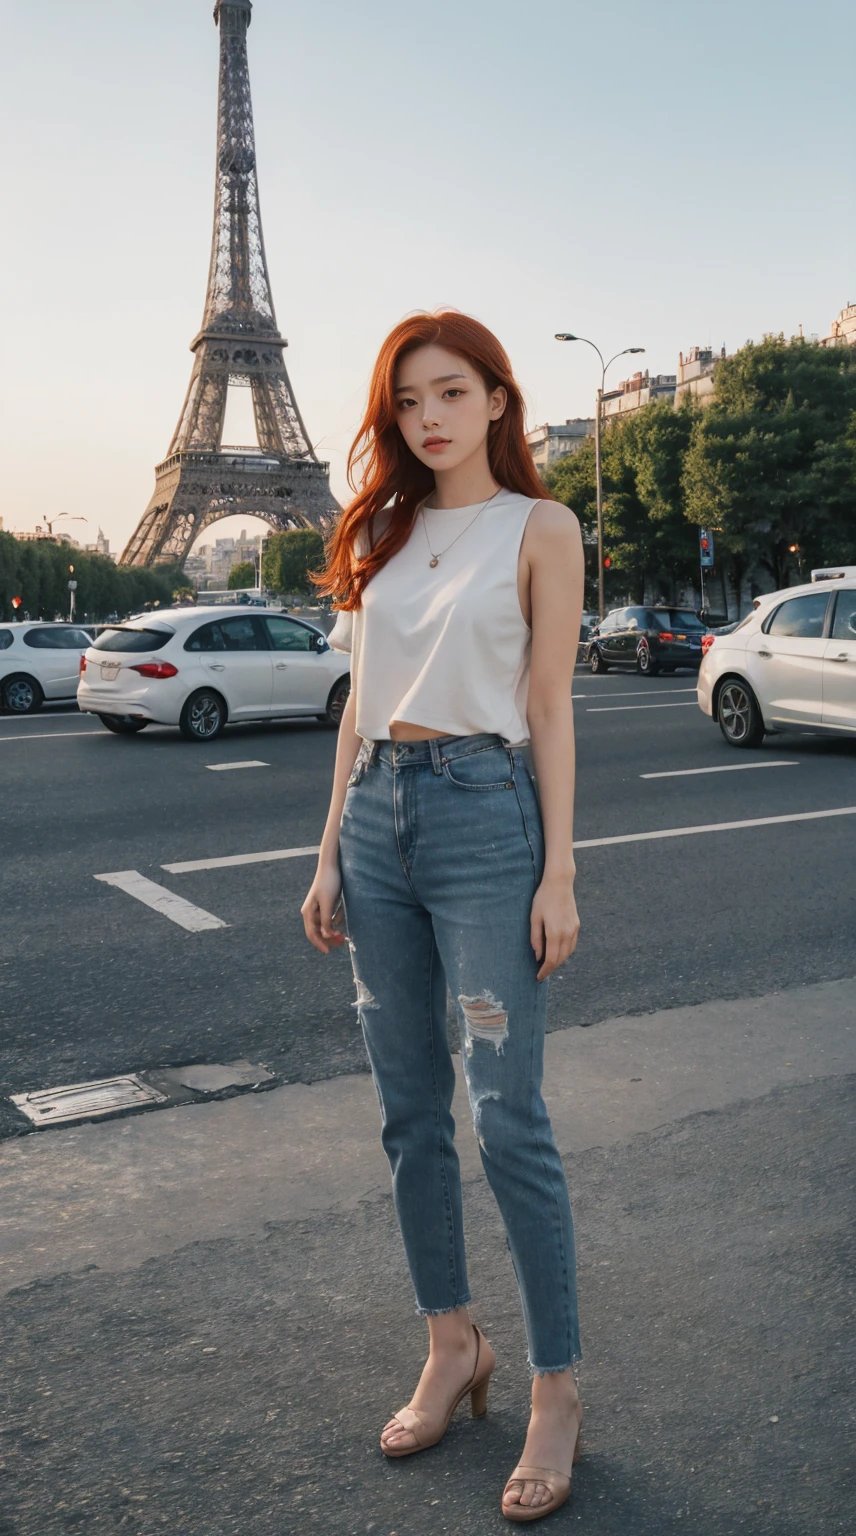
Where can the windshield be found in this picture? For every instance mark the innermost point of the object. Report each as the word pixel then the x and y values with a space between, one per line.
pixel 132 639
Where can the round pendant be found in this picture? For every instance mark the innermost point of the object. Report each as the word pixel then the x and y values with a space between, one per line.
pixel 435 561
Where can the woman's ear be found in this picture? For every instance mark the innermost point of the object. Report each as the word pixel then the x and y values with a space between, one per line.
pixel 498 402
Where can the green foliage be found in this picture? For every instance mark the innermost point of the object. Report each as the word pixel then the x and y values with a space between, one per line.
pixel 288 559
pixel 38 571
pixel 242 575
pixel 646 534
pixel 772 461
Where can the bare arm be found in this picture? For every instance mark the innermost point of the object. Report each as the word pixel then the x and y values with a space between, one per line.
pixel 555 554
pixel 322 898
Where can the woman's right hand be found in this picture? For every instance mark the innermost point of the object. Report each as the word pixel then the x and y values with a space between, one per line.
pixel 322 911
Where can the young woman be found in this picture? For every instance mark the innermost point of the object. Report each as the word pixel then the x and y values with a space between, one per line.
pixel 448 848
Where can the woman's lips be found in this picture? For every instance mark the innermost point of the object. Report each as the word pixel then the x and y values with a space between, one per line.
pixel 436 444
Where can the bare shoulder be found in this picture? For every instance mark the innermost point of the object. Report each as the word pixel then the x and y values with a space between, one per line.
pixel 551 526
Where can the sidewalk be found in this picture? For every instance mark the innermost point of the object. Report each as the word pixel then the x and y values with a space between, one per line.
pixel 212 1318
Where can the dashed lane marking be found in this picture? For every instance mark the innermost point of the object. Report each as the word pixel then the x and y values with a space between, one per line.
pixel 194 919
pixel 715 826
pixel 614 709
pixel 687 773
pixel 224 767
pixel 191 865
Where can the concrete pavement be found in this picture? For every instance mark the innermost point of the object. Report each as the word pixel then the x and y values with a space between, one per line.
pixel 210 1317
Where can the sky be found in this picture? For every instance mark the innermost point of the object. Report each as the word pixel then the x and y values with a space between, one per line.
pixel 664 175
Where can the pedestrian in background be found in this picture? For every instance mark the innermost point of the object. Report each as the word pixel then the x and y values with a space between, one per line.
pixel 447 856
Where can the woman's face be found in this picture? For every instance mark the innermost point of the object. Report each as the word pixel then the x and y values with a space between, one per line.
pixel 444 409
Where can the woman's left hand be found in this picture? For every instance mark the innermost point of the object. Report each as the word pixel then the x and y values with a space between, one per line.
pixel 554 925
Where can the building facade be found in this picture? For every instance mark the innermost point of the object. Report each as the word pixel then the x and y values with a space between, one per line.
pixel 548 443
pixel 640 389
pixel 842 331
pixel 695 374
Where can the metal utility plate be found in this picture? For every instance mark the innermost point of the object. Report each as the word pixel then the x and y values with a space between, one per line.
pixel 82 1101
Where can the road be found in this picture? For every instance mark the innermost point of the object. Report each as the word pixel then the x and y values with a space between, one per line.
pixel 95 982
pixel 205 1315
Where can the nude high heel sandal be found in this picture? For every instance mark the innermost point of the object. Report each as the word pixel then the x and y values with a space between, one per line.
pixel 558 1484
pixel 426 1433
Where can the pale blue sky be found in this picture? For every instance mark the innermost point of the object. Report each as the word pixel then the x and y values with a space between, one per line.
pixel 663 175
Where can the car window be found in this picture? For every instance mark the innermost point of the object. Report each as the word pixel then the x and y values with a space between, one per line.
pixel 285 635
pixel 671 619
pixel 238 634
pixel 6 638
pixel 844 623
pixel 799 617
pixel 608 624
pixel 57 637
pixel 635 618
pixel 132 639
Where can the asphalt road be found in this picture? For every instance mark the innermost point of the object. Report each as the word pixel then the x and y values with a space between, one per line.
pixel 93 982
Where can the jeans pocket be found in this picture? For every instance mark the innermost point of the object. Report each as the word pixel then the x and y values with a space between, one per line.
pixel 359 768
pixel 489 768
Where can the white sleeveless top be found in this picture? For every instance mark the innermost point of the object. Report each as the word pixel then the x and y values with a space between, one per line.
pixel 446 648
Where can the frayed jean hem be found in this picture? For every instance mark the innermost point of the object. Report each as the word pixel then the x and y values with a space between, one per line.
pixel 555 1370
pixel 442 1311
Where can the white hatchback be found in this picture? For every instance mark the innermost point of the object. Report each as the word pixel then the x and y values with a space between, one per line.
pixel 39 661
pixel 789 665
pixel 199 668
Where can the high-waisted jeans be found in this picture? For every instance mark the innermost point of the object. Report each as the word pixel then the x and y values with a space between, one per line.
pixel 441 848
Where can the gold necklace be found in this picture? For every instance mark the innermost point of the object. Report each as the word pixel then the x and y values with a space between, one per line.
pixel 435 559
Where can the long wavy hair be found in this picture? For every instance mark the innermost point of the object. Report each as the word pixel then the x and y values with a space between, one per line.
pixel 389 472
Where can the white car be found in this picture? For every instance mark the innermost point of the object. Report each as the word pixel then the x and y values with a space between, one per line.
pixel 199 668
pixel 39 661
pixel 789 665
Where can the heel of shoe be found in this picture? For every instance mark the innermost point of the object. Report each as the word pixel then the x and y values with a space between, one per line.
pixel 478 1399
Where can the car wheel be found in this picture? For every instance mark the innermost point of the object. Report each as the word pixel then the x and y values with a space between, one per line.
pixel 336 703
pixel 22 695
pixel 203 716
pixel 123 725
pixel 644 660
pixel 596 662
pixel 738 714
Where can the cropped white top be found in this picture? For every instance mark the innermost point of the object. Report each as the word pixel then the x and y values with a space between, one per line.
pixel 446 647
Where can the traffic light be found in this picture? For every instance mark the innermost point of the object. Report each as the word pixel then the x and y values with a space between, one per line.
pixel 705 546
pixel 606 562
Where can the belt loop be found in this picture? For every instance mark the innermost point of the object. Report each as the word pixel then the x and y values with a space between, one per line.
pixel 436 759
pixel 374 748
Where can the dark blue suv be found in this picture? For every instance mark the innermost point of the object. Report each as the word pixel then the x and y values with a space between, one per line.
pixel 650 639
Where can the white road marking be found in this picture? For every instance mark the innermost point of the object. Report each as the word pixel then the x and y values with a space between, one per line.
pixel 194 919
pixel 191 865
pixel 715 826
pixel 46 735
pixel 613 709
pixel 224 767
pixel 686 773
pixel 632 693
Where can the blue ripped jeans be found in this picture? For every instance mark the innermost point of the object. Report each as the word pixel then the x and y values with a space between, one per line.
pixel 441 849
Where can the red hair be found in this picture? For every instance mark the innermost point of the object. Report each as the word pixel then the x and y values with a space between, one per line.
pixel 391 472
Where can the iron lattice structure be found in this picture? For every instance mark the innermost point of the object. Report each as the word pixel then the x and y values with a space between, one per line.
pixel 239 342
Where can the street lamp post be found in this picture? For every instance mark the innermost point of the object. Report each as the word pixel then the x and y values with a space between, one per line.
pixel 567 336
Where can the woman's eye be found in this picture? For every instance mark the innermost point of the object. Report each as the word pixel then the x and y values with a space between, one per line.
pixel 454 391
pixel 403 403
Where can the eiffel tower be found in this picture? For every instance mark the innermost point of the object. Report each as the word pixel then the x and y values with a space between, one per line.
pixel 200 481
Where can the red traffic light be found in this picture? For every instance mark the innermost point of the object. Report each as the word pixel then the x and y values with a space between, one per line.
pixel 705 544
pixel 606 562
pixel 17 601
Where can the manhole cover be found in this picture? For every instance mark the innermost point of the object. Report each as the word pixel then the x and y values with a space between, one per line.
pixel 80 1101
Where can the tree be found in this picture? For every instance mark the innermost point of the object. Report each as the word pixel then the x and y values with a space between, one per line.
pixel 289 557
pixel 38 571
pixel 242 575
pixel 646 534
pixel 771 463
